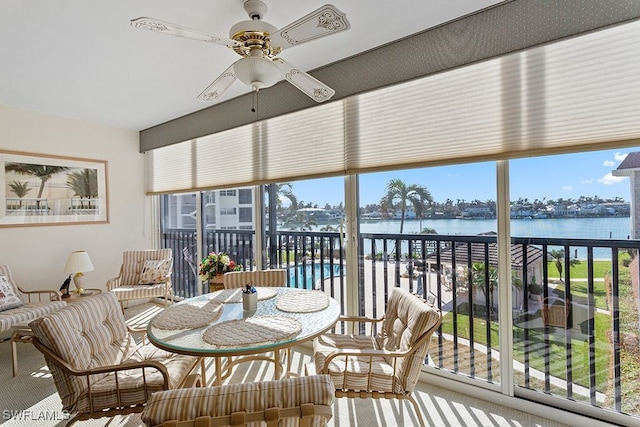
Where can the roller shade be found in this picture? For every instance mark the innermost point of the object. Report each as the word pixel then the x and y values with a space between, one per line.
pixel 307 143
pixel 578 94
pixel 562 96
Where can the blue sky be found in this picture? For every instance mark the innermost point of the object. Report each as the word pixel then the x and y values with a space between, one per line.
pixel 561 176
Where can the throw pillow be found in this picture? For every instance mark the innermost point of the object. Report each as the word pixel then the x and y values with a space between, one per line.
pixel 9 297
pixel 154 271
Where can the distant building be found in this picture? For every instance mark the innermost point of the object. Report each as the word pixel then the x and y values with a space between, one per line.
pixel 630 167
pixel 221 210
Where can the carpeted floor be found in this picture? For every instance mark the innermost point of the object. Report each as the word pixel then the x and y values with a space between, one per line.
pixel 30 399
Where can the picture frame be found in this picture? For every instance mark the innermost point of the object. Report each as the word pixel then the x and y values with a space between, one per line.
pixel 40 189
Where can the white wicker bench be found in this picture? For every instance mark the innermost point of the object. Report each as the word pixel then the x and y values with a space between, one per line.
pixel 35 304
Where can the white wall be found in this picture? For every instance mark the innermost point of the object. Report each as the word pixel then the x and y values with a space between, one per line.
pixel 37 254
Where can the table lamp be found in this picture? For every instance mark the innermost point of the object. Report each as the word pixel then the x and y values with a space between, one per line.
pixel 77 263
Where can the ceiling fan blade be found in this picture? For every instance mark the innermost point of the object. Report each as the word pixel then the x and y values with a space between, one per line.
pixel 216 89
pixel 311 86
pixel 322 22
pixel 151 24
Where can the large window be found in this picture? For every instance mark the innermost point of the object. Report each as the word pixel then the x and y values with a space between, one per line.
pixel 577 310
pixel 411 224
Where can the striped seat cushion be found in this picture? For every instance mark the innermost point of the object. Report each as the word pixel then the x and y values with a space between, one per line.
pixel 128 292
pixel 131 382
pixel 190 403
pixel 27 313
pixel 357 369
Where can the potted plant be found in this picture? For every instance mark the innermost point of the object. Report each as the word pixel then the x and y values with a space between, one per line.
pixel 213 267
pixel 535 290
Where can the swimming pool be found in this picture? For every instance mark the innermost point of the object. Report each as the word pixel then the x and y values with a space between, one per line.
pixel 304 276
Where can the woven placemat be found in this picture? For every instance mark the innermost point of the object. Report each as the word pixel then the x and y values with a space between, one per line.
pixel 188 316
pixel 235 295
pixel 252 331
pixel 303 301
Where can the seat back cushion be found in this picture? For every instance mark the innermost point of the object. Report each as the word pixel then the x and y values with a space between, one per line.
pixel 88 334
pixel 6 272
pixel 271 278
pixel 155 271
pixel 9 295
pixel 133 263
pixel 407 320
pixel 190 403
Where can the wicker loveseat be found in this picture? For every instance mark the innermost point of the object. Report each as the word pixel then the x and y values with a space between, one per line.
pixel 33 304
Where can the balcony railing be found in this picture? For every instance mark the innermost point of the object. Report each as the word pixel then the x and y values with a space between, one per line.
pixel 572 331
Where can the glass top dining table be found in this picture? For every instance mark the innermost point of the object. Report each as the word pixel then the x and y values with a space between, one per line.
pixel 216 325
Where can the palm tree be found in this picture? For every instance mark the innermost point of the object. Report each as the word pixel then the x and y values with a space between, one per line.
pixel 558 260
pixel 285 191
pixel 20 189
pixel 84 183
pixel 399 195
pixel 329 227
pixel 486 286
pixel 300 222
pixel 478 272
pixel 43 172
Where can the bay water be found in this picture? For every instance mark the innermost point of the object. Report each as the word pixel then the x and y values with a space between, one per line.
pixel 578 228
pixel 618 228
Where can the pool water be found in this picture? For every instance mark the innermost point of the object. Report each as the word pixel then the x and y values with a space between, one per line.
pixel 303 276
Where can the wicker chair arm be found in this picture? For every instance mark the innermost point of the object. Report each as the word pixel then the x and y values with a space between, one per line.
pixel 356 320
pixel 363 353
pixel 362 319
pixel 137 330
pixel 113 283
pixel 53 294
pixel 68 369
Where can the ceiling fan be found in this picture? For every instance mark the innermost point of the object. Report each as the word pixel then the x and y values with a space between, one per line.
pixel 259 43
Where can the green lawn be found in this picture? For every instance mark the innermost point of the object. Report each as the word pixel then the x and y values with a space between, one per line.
pixel 556 346
pixel 600 268
pixel 557 350
pixel 578 275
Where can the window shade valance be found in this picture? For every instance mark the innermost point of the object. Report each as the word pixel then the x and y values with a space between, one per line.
pixel 577 94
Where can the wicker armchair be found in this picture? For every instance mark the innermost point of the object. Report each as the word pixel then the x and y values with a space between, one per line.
pixel 383 365
pixel 303 401
pixel 97 367
pixel 129 284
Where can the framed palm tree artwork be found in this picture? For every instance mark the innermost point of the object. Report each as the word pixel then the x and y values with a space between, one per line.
pixel 37 189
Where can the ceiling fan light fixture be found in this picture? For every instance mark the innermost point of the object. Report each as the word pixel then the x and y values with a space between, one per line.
pixel 257 71
pixel 260 44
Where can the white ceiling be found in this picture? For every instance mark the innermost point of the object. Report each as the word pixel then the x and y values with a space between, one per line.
pixel 81 59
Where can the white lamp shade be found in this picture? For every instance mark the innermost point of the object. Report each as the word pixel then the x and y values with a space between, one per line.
pixel 257 72
pixel 78 262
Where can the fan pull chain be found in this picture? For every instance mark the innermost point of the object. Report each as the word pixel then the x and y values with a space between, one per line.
pixel 254 98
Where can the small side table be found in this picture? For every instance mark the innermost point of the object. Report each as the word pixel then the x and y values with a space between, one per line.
pixel 75 297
